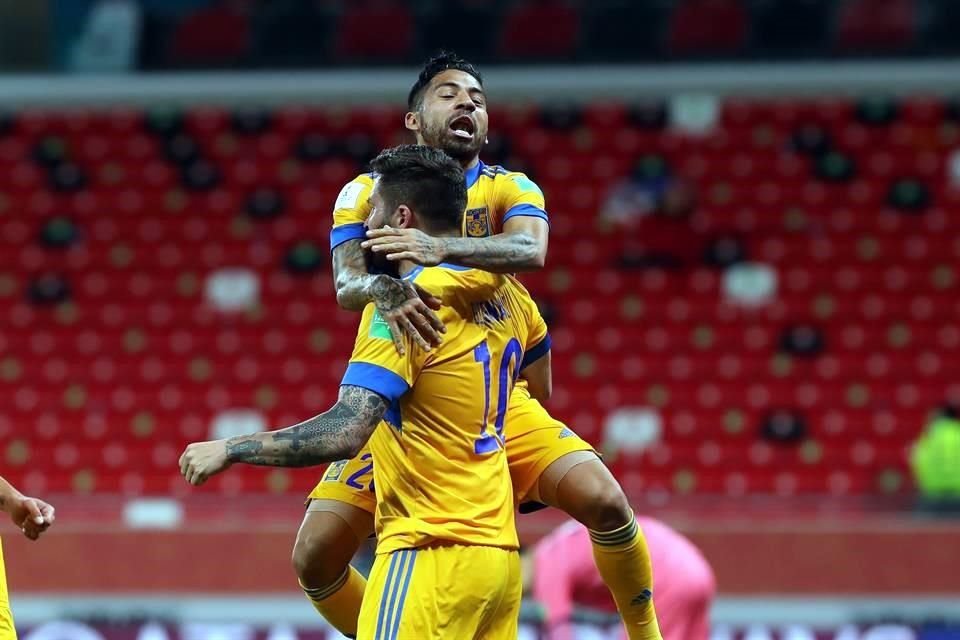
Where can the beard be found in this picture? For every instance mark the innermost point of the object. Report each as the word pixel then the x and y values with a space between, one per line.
pixel 440 137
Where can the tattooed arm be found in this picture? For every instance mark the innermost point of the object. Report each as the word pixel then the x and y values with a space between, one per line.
pixel 406 308
pixel 350 277
pixel 335 434
pixel 521 247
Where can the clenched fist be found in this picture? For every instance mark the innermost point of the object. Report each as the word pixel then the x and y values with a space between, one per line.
pixel 32 515
pixel 202 460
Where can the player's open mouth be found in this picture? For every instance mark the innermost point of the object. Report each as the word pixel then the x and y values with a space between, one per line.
pixel 463 127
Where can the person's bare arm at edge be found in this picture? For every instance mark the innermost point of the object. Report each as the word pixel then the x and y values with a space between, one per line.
pixel 406 308
pixel 31 515
pixel 521 247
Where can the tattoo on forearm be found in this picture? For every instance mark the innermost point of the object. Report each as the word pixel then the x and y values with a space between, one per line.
pixel 243 448
pixel 504 253
pixel 351 278
pixel 356 288
pixel 333 435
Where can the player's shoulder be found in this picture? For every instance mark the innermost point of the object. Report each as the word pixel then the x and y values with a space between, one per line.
pixel 494 171
pixel 351 192
pixel 516 288
pixel 452 275
pixel 519 293
pixel 366 179
pixel 451 282
pixel 503 176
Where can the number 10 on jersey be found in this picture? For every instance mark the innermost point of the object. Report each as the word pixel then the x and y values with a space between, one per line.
pixel 507 373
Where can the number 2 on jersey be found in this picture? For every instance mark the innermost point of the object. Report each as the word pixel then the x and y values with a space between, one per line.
pixel 507 372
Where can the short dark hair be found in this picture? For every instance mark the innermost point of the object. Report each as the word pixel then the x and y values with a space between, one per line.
pixel 425 179
pixel 440 62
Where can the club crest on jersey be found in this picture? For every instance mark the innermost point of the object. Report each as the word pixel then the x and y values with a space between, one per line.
pixel 478 223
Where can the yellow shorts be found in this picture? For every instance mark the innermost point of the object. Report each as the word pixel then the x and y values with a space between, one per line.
pixel 534 440
pixel 442 593
pixel 7 631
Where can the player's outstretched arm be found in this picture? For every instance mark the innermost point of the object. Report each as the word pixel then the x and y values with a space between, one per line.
pixel 335 434
pixel 31 515
pixel 521 247
pixel 406 308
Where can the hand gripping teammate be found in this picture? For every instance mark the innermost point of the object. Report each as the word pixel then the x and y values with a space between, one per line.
pixel 504 231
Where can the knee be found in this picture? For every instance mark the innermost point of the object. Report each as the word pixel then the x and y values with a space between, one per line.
pixel 590 494
pixel 316 559
pixel 606 508
pixel 304 552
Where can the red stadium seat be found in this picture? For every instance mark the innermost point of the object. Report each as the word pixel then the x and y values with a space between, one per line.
pixel 708 26
pixel 214 36
pixel 887 25
pixel 375 30
pixel 524 34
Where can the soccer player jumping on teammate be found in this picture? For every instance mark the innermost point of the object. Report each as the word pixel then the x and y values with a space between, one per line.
pixel 447 565
pixel 33 517
pixel 505 231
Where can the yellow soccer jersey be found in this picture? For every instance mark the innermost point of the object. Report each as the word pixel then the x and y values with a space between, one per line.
pixel 494 195
pixel 7 631
pixel 441 472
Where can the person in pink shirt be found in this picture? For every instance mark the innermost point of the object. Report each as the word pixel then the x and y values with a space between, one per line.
pixel 565 577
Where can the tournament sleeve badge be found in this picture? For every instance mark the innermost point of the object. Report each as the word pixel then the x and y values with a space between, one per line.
pixel 379 327
pixel 334 471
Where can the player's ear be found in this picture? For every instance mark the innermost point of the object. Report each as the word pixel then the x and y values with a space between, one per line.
pixel 412 121
pixel 403 217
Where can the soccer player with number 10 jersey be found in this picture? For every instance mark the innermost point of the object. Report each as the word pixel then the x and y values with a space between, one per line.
pixel 447 564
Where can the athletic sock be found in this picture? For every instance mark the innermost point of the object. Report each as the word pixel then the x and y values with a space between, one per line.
pixel 339 603
pixel 624 563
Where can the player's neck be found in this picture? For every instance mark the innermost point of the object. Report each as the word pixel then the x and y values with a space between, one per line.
pixel 470 164
pixel 406 266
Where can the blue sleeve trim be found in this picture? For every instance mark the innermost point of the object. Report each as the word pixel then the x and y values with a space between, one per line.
pixel 346 232
pixel 375 378
pixel 526 210
pixel 537 352
pixel 454 267
pixel 413 273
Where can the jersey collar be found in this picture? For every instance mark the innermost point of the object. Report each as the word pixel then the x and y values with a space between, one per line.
pixel 473 173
